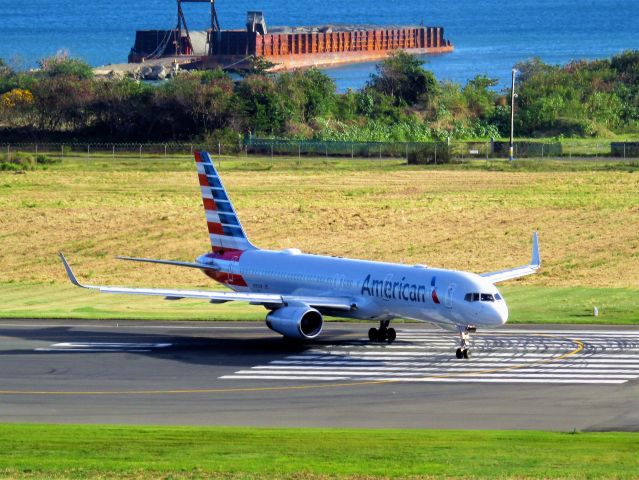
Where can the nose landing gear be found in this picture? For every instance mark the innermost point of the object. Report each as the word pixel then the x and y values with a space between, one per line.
pixel 464 341
pixel 383 333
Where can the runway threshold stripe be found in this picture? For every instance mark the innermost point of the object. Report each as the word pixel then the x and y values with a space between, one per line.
pixel 362 363
pixel 509 330
pixel 478 355
pixel 281 377
pixel 527 373
pixel 523 370
pixel 432 379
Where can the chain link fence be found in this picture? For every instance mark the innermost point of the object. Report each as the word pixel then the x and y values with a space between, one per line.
pixel 411 152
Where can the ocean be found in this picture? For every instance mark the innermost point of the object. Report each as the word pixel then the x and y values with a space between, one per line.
pixel 489 36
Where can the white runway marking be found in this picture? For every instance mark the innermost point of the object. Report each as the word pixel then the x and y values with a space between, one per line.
pixel 102 347
pixel 514 356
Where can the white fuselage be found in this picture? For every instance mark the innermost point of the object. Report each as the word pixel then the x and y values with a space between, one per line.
pixel 448 298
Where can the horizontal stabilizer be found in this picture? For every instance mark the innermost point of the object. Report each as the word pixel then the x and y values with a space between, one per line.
pixel 171 262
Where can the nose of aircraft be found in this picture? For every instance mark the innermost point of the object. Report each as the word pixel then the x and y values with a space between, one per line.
pixel 500 313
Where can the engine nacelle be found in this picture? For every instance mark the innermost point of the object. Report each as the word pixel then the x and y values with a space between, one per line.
pixel 296 321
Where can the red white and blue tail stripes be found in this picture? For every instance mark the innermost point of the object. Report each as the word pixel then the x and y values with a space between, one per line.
pixel 225 231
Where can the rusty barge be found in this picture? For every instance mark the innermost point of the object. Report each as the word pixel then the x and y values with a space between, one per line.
pixel 285 47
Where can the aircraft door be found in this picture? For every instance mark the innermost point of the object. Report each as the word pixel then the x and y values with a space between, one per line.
pixel 232 270
pixel 448 301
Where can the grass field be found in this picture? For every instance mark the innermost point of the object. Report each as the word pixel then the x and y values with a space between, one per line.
pixel 44 451
pixel 469 217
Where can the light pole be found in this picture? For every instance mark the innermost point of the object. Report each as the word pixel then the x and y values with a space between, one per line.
pixel 512 116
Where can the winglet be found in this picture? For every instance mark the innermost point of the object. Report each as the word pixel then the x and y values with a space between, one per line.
pixel 536 259
pixel 512 273
pixel 70 274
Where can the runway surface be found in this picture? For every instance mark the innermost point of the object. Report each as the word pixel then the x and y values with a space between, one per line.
pixel 552 378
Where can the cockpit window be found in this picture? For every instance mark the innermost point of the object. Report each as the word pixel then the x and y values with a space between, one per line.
pixel 471 297
pixel 484 297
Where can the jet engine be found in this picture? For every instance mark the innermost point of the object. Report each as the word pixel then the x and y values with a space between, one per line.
pixel 296 321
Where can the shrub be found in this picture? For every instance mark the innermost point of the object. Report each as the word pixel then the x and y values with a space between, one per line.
pixel 17 161
pixel 24 161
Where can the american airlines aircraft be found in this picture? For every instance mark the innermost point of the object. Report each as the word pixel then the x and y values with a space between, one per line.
pixel 300 289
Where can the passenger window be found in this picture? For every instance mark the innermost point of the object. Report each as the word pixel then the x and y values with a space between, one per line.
pixel 487 297
pixel 468 297
pixel 475 297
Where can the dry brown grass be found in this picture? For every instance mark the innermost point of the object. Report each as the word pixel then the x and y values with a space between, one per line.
pixel 472 220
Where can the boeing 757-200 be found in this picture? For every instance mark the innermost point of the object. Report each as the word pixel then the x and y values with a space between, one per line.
pixel 299 289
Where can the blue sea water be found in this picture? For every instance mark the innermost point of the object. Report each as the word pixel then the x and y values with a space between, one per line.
pixel 489 36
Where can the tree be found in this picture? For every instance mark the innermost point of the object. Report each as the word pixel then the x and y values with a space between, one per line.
pixel 306 94
pixel 402 77
pixel 479 97
pixel 123 109
pixel 260 105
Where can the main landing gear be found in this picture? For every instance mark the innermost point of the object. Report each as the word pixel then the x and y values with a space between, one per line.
pixel 383 333
pixel 464 341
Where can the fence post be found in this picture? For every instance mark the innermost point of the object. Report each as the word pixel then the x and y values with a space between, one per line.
pixel 624 150
pixel 165 151
pixel 271 152
pixel 113 151
pixel 88 151
pixel 542 151
pixel 8 152
pixel 435 153
pixel 352 151
pixel 140 151
pixel 62 151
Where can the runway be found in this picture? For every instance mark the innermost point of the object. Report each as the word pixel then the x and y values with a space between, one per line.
pixel 553 378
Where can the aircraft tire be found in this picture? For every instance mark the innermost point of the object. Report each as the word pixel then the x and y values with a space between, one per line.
pixel 391 335
pixel 459 353
pixel 373 334
pixel 466 353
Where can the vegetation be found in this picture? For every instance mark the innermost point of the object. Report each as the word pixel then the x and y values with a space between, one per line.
pixel 463 217
pixel 21 161
pixel 401 102
pixel 88 451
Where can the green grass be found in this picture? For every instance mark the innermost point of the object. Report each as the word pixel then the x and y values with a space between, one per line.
pixel 572 305
pixel 462 217
pixel 44 451
pixel 527 304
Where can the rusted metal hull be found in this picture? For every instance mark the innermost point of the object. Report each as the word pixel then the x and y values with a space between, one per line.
pixel 289 51
pixel 307 49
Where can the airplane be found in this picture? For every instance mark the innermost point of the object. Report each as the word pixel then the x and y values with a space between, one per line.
pixel 300 289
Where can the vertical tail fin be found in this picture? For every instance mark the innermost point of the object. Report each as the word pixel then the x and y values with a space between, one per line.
pixel 225 230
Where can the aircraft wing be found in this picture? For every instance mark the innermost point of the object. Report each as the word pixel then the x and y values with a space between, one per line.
pixel 509 274
pixel 270 299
